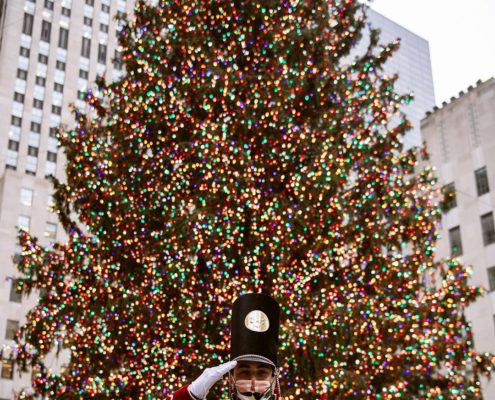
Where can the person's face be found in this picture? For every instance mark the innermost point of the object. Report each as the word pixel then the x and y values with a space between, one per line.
pixel 252 370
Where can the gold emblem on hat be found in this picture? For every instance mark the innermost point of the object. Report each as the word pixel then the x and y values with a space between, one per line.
pixel 257 321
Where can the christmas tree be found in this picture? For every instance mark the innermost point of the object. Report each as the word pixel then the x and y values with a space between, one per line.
pixel 242 153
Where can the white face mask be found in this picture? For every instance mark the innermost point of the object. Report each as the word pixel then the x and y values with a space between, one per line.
pixel 253 389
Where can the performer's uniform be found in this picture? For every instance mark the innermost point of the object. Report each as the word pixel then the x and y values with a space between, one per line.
pixel 254 337
pixel 182 394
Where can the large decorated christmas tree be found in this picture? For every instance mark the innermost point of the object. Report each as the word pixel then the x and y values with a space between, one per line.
pixel 243 152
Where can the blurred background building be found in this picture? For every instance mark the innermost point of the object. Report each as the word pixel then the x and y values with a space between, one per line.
pixel 460 136
pixel 412 63
pixel 50 53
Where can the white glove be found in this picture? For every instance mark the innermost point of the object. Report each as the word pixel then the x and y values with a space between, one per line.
pixel 201 386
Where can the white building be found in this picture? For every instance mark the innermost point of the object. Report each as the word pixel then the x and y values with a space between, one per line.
pixel 50 53
pixel 461 140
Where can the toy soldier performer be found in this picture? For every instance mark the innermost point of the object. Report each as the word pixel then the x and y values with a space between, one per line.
pixel 253 372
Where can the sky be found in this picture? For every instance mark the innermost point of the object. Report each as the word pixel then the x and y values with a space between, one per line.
pixel 461 36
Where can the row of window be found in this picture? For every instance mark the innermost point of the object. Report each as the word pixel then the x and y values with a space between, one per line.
pixel 482 187
pixel 49 4
pixel 27 27
pixel 487 228
pixel 42 59
pixel 63 40
pixel 41 81
pixel 37 103
pixel 33 147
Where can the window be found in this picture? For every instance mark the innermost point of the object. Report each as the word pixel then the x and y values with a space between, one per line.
pixel 46 30
pixel 53 133
pixel 449 200
pixel 88 21
pixel 49 4
pixel 60 65
pixel 23 222
pixel 491 278
pixel 66 11
pixel 11 329
pixel 488 228
pixel 41 81
pixel 37 103
pixel 27 196
pixel 51 203
pixel 81 95
pixel 7 369
pixel 56 110
pixel 63 38
pixel 50 230
pixel 481 181
pixel 117 61
pixel 27 24
pixel 15 294
pixel 43 59
pixel 51 156
pixel 24 51
pixel 85 47
pixel 105 8
pixel 19 97
pixel 16 121
pixel 58 87
pixel 31 165
pixel 102 53
pixel 33 151
pixel 50 168
pixel 11 160
pixel 104 28
pixel 22 74
pixel 83 74
pixel 455 241
pixel 13 145
pixel 35 127
pixel 90 2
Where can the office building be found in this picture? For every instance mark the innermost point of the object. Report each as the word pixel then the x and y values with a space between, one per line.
pixel 461 141
pixel 411 62
pixel 50 53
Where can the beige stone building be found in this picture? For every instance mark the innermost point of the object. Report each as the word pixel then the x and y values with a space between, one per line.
pixel 50 53
pixel 461 140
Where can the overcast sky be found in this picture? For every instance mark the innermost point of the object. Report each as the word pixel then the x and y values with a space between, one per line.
pixel 461 34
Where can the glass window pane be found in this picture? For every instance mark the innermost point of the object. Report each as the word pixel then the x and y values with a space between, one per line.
pixel 27 25
pixel 15 295
pixel 11 329
pixel 63 38
pixel 488 228
pixel 85 47
pixel 491 278
pixel 23 222
pixel 27 197
pixel 481 176
pixel 46 29
pixel 455 241
pixel 50 230
pixel 7 369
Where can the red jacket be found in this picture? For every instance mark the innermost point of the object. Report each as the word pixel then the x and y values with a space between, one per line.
pixel 182 394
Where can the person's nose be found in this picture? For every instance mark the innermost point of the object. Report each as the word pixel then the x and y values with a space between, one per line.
pixel 253 386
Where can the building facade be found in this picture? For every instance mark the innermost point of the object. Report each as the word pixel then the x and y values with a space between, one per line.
pixel 411 62
pixel 50 53
pixel 461 141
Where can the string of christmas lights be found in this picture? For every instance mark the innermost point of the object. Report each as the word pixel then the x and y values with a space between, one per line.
pixel 241 153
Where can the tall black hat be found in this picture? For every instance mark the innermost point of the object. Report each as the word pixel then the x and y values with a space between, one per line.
pixel 254 328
